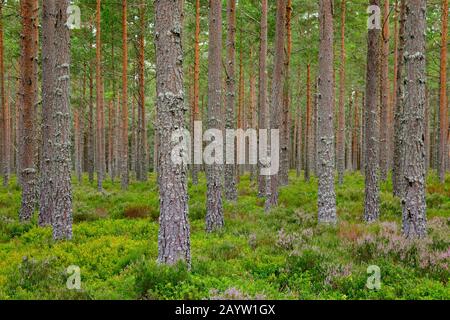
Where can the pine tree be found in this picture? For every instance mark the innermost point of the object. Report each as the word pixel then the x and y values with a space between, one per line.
pixel 325 132
pixel 341 112
pixel 124 110
pixel 414 204
pixel 443 102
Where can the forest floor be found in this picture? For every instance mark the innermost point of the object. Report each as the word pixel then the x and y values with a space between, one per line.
pixel 280 255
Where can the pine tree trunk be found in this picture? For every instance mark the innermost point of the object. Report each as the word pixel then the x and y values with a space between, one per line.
pixel 196 111
pixel 28 87
pixel 309 134
pixel 263 108
pixel 285 125
pixel 385 99
pixel 230 122
pixel 142 133
pixel 124 115
pixel 443 103
pixel 56 189
pixel 100 160
pixel 277 95
pixel 214 209
pixel 397 177
pixel 91 139
pixel 414 204
pixel 325 132
pixel 6 137
pixel 174 233
pixel 372 130
pixel 348 141
pixel 341 113
pixel 252 123
pixel 77 142
pixel 355 135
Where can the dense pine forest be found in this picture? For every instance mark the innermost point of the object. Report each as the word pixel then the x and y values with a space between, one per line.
pixel 224 149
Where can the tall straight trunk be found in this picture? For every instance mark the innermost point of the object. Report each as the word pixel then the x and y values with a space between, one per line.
pixel 394 85
pixel 252 112
pixel 214 207
pixel 277 94
pixel 77 146
pixel 19 127
pixel 385 99
pixel 315 130
pixel 443 103
pixel 263 108
pixel 240 108
pixel 133 145
pixel 372 130
pixel 56 189
pixel 91 139
pixel 196 111
pixel 349 132
pixel 309 132
pixel 28 87
pixel 100 160
pixel 142 132
pixel 299 135
pixel 230 123
pixel 341 112
pixel 427 131
pixel 6 137
pixel 124 114
pixel 174 233
pixel 414 203
pixel 355 135
pixel 110 138
pixel 285 123
pixel 325 132
pixel 113 112
pixel 397 177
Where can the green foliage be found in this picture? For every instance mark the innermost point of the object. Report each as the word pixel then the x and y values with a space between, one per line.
pixel 284 254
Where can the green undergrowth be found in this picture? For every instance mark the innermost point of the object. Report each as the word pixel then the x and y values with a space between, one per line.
pixel 283 254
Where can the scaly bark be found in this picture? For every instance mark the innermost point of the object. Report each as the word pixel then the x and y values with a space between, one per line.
pixel 263 108
pixel 230 122
pixel 28 100
pixel 443 103
pixel 397 178
pixel 277 94
pixel 174 233
pixel 56 189
pixel 214 207
pixel 372 129
pixel 385 99
pixel 6 137
pixel 285 123
pixel 325 132
pixel 196 111
pixel 414 204
pixel 341 112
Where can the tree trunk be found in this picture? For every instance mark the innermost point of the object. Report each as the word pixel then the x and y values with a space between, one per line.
pixel 372 130
pixel 174 233
pixel 56 189
pixel 214 210
pixel 355 135
pixel 6 137
pixel 277 94
pixel 309 134
pixel 263 108
pixel 29 82
pixel 196 111
pixel 230 124
pixel 443 103
pixel 325 132
pixel 397 178
pixel 285 123
pixel 341 113
pixel 385 99
pixel 100 102
pixel 414 204
pixel 91 139
pixel 142 173
pixel 124 127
